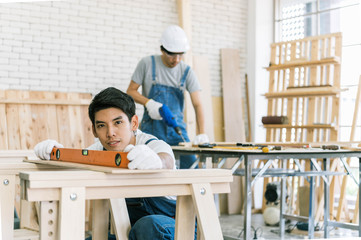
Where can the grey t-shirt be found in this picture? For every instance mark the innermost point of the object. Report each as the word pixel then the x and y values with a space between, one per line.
pixel 164 75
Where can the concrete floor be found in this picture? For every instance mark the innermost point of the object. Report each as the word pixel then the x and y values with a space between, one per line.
pixel 232 226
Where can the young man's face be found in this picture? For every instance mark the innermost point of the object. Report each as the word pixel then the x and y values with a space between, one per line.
pixel 113 129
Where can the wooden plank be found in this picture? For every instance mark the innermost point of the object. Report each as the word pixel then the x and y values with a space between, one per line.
pixel 232 96
pixel 200 67
pixel 234 127
pixel 100 219
pixel 185 22
pixel 48 218
pixel 12 119
pixel 185 218
pixel 51 117
pixel 3 124
pixel 31 101
pixel 120 218
pixel 206 211
pixel 38 120
pixel 75 123
pixel 7 193
pixel 25 121
pixel 63 122
pixel 303 63
pixel 72 213
pixel 86 123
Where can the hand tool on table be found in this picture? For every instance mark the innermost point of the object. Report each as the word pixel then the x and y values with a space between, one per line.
pixel 169 119
pixel 92 157
pixel 240 146
pixel 330 147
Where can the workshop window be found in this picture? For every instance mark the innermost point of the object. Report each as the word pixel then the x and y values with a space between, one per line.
pixel 296 19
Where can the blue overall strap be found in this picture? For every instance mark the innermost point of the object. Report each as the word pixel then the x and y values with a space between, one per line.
pixel 153 68
pixel 149 140
pixel 185 76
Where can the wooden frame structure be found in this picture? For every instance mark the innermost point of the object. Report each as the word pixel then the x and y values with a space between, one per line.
pixel 304 85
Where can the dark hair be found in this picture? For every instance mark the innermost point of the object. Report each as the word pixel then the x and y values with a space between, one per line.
pixel 112 98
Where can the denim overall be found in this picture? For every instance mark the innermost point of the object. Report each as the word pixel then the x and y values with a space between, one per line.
pixel 174 98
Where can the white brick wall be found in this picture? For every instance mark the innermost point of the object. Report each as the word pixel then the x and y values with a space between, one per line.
pixel 87 45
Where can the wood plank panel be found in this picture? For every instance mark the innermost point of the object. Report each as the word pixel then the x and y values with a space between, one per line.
pixel 232 96
pixel 26 125
pixel 12 119
pixel 62 112
pixel 3 123
pixel 234 129
pixel 86 123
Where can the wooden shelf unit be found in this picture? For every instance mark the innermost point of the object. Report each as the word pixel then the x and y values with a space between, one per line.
pixel 304 85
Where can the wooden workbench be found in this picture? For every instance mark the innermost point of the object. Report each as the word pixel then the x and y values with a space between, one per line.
pixel 194 189
pixel 310 154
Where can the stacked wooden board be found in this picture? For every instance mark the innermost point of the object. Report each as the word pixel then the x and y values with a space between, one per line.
pixel 28 117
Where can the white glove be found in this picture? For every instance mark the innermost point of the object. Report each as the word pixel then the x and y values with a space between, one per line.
pixel 153 109
pixel 142 157
pixel 44 148
pixel 200 139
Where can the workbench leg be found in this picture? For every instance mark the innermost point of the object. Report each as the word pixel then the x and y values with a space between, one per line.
pixel 311 210
pixel 72 213
pixel 248 198
pixel 7 198
pixel 29 212
pixel 283 200
pixel 48 220
pixel 185 218
pixel 100 219
pixel 359 197
pixel 207 217
pixel 120 218
pixel 326 192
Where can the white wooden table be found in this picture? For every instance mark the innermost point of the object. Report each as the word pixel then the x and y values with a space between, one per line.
pixel 65 192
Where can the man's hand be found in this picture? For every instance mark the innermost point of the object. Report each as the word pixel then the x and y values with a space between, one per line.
pixel 142 157
pixel 153 109
pixel 44 148
pixel 200 139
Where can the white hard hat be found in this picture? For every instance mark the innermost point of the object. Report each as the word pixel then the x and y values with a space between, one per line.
pixel 174 39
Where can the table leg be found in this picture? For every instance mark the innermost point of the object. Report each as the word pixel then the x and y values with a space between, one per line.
pixel 283 200
pixel 48 220
pixel 7 193
pixel 100 219
pixel 206 211
pixel 72 213
pixel 311 210
pixel 248 199
pixel 326 166
pixel 120 218
pixel 185 218
pixel 359 202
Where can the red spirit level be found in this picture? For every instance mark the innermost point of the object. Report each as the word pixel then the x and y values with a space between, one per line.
pixel 93 157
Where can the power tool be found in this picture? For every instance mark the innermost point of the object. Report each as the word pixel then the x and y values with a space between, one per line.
pixel 169 119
